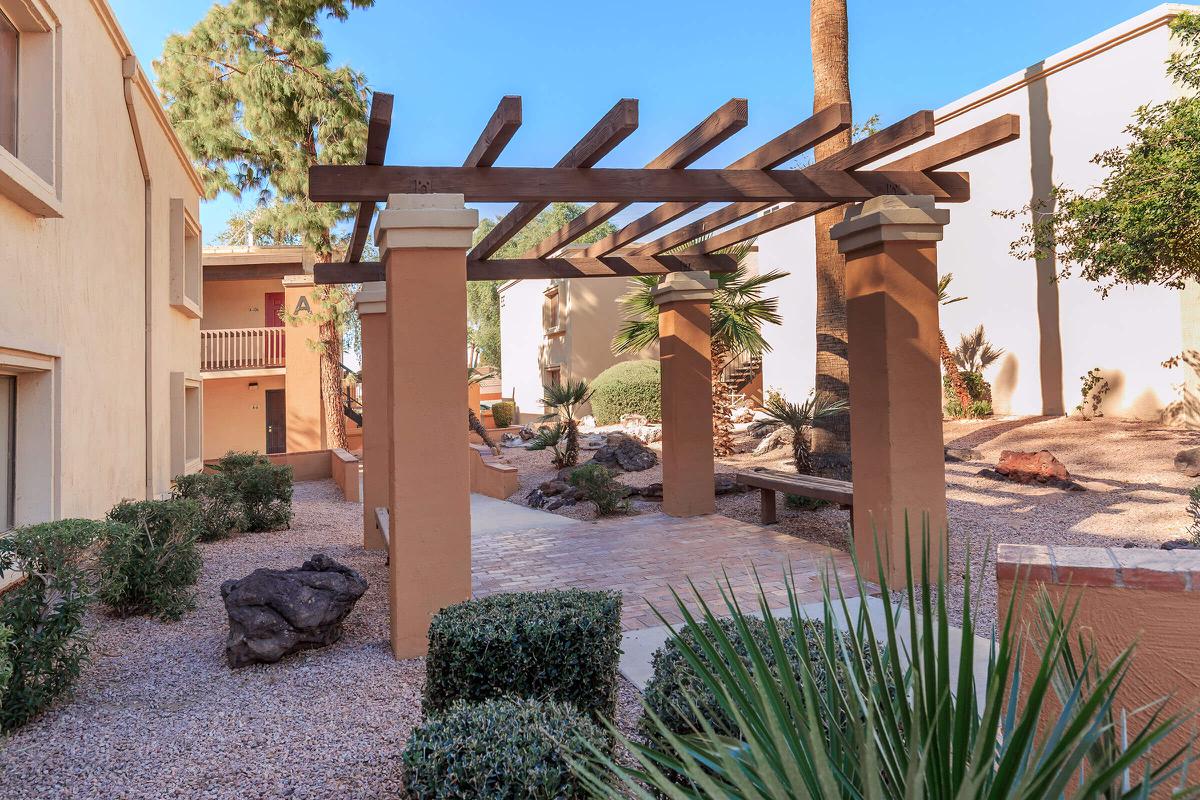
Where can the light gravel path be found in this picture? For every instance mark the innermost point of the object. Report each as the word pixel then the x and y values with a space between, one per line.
pixel 159 715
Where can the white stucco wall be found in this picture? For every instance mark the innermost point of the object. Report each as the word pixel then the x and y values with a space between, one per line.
pixel 521 341
pixel 1077 106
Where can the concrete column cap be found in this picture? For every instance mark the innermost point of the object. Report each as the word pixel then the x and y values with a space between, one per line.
pixel 890 218
pixel 298 280
pixel 680 286
pixel 414 221
pixel 372 298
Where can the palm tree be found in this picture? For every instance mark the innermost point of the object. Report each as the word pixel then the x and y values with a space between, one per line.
pixel 565 400
pixel 738 313
pixel 974 352
pixel 830 36
pixel 957 384
pixel 800 418
pixel 475 376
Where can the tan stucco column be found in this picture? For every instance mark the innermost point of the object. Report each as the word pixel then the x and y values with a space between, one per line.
pixel 423 239
pixel 890 244
pixel 371 302
pixel 302 382
pixel 685 353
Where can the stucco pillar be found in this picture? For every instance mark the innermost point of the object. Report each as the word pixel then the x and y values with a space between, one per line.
pixel 685 353
pixel 371 302
pixel 423 239
pixel 302 382
pixel 890 244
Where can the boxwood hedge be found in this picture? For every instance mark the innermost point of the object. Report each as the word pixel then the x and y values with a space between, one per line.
pixel 630 387
pixel 562 645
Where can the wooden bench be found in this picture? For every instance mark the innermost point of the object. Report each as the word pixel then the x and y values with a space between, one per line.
pixel 769 481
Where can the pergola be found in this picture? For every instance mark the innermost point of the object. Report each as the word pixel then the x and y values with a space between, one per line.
pixel 414 307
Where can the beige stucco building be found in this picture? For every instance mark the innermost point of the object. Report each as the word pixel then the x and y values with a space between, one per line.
pixel 100 301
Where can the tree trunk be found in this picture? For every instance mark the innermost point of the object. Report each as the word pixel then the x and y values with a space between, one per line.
pixel 332 398
pixel 831 84
pixel 722 408
pixel 571 447
pixel 956 382
pixel 477 428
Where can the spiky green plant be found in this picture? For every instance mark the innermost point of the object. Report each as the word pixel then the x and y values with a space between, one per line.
pixel 564 401
pixel 800 418
pixel 905 725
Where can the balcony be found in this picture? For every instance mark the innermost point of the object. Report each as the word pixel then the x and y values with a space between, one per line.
pixel 241 349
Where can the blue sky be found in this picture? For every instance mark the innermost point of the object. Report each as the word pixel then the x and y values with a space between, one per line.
pixel 449 63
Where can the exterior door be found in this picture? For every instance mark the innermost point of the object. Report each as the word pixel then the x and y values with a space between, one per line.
pixel 276 421
pixel 272 305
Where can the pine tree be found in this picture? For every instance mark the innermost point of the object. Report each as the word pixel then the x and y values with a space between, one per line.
pixel 253 97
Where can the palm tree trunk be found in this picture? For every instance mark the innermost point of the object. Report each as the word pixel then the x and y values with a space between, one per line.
pixel 477 428
pixel 831 84
pixel 722 412
pixel 956 382
pixel 571 448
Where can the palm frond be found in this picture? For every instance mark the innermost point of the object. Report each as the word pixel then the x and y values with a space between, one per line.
pixel 974 352
pixel 943 287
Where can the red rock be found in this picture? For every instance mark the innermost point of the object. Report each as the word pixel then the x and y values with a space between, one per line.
pixel 1039 467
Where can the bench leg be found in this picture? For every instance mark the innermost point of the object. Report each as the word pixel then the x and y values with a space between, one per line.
pixel 768 506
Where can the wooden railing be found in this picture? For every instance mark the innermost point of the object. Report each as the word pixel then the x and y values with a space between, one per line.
pixel 241 348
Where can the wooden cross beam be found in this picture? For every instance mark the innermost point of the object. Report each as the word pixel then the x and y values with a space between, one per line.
pixel 507 269
pixel 606 134
pixel 715 129
pixel 497 133
pixel 826 123
pixel 379 126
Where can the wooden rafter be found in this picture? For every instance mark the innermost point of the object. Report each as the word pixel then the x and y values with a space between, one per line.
pixel 379 126
pixel 715 129
pixel 977 140
pixel 827 122
pixel 889 140
pixel 519 268
pixel 497 133
pixel 610 131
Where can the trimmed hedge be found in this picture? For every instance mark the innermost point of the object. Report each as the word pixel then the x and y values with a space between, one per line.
pixel 674 680
pixel 44 644
pixel 148 563
pixel 500 749
pixel 562 645
pixel 219 502
pixel 630 387
pixel 503 412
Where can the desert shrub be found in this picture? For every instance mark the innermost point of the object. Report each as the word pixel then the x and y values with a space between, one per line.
pixel 802 503
pixel 42 616
pixel 561 645
pixel 630 387
pixel 499 749
pixel 218 500
pixel 979 390
pixel 1193 511
pixel 265 489
pixel 599 486
pixel 147 565
pixel 6 665
pixel 503 412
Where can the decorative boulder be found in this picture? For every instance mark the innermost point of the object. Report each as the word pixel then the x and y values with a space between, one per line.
pixel 1032 468
pixel 1188 462
pixel 955 455
pixel 275 612
pixel 623 453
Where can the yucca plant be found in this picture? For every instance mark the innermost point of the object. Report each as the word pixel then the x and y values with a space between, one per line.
pixel 564 401
pixel 800 418
pixel 900 725
pixel 974 352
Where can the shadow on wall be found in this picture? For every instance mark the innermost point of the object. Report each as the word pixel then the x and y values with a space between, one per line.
pixel 1005 384
pixel 1041 174
pixel 1185 412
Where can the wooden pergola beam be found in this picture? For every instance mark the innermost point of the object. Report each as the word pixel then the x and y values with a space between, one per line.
pixel 504 269
pixel 610 131
pixel 715 129
pixel 536 186
pixel 379 126
pixel 979 139
pixel 892 138
pixel 497 133
pixel 826 123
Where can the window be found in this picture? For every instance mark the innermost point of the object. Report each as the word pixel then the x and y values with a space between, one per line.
pixel 186 285
pixel 8 450
pixel 553 376
pixel 31 106
pixel 10 60
pixel 186 402
pixel 552 311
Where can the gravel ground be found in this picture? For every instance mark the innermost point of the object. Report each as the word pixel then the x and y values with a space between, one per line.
pixel 158 714
pixel 1134 494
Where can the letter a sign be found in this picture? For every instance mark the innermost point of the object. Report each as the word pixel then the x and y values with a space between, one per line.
pixel 302 305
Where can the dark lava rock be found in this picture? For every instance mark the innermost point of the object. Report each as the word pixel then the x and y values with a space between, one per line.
pixel 624 453
pixel 1179 544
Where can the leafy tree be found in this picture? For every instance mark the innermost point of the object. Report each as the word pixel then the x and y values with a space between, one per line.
pixel 738 313
pixel 251 92
pixel 1138 226
pixel 483 298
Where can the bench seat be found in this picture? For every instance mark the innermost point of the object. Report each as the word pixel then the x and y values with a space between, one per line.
pixel 770 481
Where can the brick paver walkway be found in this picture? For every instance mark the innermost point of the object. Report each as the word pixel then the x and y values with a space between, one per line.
pixel 647 555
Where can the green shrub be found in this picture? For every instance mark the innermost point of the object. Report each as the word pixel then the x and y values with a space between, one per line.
pixel 46 646
pixel 499 749
pixel 562 645
pixel 630 387
pixel 503 412
pixel 219 501
pixel 6 665
pixel 598 485
pixel 265 489
pixel 979 390
pixel 674 680
pixel 802 503
pixel 147 564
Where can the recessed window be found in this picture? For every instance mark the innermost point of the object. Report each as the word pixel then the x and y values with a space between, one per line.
pixel 186 422
pixel 10 63
pixel 553 376
pixel 186 280
pixel 552 310
pixel 8 450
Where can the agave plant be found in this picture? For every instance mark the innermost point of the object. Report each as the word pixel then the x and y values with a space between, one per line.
pixel 800 418
pixel 901 725
pixel 564 401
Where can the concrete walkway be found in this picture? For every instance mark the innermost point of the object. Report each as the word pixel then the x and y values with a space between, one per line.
pixel 490 516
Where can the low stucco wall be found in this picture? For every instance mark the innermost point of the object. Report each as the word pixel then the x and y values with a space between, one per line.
pixel 490 476
pixel 1151 597
pixel 311 465
pixel 345 468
